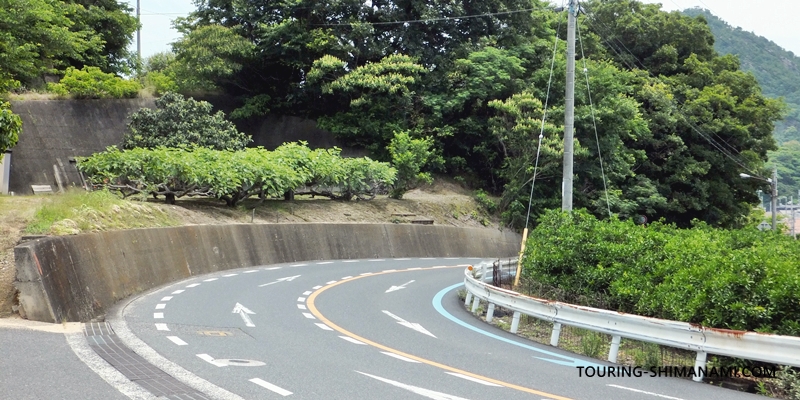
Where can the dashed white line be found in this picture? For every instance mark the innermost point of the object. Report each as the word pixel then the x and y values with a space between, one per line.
pixel 274 268
pixel 193 285
pixel 229 275
pixel 439 266
pixel 347 277
pixel 317 287
pixel 469 378
pixel 210 279
pixel 307 292
pixel 160 306
pixel 323 326
pixel 401 259
pixel 328 283
pixel 325 262
pixel 298 265
pixel 463 265
pixel 301 299
pixel 390 270
pixel 178 291
pixel 351 340
pixel 351 261
pixel 302 306
pixel 427 258
pixel 451 258
pixel 158 315
pixel 399 357
pixel 250 271
pixel 378 259
pixel 309 315
pixel 209 359
pixel 366 273
pixel 162 327
pixel 177 340
pixel 643 392
pixel 166 298
pixel 414 269
pixel 266 385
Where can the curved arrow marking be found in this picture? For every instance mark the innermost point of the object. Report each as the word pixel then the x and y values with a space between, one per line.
pixel 396 288
pixel 243 311
pixel 413 325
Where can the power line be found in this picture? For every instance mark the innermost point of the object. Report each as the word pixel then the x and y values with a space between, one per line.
pixel 413 21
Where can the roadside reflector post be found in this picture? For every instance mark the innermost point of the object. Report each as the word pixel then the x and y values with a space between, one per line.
pixel 612 352
pixel 556 334
pixel 515 322
pixel 490 312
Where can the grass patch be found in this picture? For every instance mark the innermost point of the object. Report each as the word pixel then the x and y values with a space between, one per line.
pixel 79 211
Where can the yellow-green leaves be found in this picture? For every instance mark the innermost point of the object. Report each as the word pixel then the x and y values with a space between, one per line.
pixel 10 127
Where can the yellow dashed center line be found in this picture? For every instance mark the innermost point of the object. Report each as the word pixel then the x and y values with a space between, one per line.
pixel 312 307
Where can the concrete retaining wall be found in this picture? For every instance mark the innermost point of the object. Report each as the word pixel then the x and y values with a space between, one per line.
pixel 76 278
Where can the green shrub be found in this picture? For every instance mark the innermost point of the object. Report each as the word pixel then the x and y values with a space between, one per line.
pixel 93 83
pixel 485 201
pixel 409 156
pixel 10 128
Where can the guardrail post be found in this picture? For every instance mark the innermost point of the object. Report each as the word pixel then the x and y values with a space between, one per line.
pixel 515 322
pixel 468 299
pixel 612 353
pixel 490 312
pixel 699 362
pixel 475 303
pixel 556 333
pixel 483 272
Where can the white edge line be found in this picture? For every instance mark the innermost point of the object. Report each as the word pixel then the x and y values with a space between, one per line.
pixel 250 272
pixel 351 340
pixel 323 326
pixel 351 261
pixel 325 262
pixel 317 287
pixel 158 315
pixel 644 392
pixel 399 357
pixel 378 259
pixel 302 306
pixel 307 292
pixel 178 291
pixel 266 385
pixel 347 277
pixel 210 279
pixel 160 306
pixel 301 299
pixel 177 340
pixel 166 298
pixel 162 327
pixel 309 315
pixel 331 282
pixel 390 270
pixel 193 285
pixel 469 378
pixel 298 265
pixel 229 275
pixel 366 273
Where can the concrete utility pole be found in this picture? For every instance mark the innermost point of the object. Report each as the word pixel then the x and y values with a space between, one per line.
pixel 139 34
pixel 774 187
pixel 569 109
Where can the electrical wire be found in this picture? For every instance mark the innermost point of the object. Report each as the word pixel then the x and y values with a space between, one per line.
pixel 412 21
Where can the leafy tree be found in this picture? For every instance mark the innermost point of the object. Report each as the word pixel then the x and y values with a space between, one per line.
pixel 10 127
pixel 113 22
pixel 787 159
pixel 409 157
pixel 182 122
pixel 92 83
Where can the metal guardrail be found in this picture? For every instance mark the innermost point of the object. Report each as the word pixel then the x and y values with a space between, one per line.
pixel 782 350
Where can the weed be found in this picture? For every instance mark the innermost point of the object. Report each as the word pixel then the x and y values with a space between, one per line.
pixel 789 382
pixel 648 356
pixel 462 294
pixel 592 344
pixel 485 201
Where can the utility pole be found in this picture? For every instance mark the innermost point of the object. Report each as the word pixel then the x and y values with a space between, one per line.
pixel 569 109
pixel 138 35
pixel 774 187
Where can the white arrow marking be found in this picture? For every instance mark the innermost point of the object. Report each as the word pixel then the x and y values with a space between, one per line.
pixel 243 311
pixel 395 288
pixel 476 380
pixel 211 360
pixel 287 279
pixel 414 389
pixel 413 325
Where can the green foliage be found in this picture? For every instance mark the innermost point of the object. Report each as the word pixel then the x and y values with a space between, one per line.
pixel 92 83
pixel 178 121
pixel 735 279
pixel 482 197
pixel 787 160
pixel 647 356
pixel 409 156
pixel 233 176
pixel 593 344
pixel 10 127
pixel 789 381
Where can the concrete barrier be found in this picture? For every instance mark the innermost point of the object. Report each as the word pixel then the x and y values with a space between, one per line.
pixel 76 278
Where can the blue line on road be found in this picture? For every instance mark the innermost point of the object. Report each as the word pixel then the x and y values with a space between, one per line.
pixel 569 361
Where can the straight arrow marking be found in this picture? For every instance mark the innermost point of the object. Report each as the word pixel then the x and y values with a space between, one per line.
pixel 243 311
pixel 414 389
pixel 395 288
pixel 413 325
pixel 287 279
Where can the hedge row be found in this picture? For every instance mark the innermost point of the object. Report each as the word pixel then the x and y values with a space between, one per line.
pixel 236 175
pixel 735 279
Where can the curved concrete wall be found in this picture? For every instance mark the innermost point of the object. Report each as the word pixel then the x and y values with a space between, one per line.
pixel 76 278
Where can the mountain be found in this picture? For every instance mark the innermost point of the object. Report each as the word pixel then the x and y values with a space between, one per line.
pixel 777 70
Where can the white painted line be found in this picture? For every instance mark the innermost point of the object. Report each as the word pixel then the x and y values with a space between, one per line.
pixel 401 259
pixel 178 291
pixel 301 299
pixel 162 327
pixel 160 306
pixel 351 340
pixel 307 292
pixel 414 269
pixel 463 265
pixel 309 315
pixel 349 261
pixel 427 258
pixel 193 285
pixel 469 378
pixel 366 273
pixel 229 275
pixel 347 277
pixel 413 325
pixel 243 312
pixel 451 258
pixel 209 359
pixel 298 265
pixel 250 272
pixel 328 283
pixel 266 385
pixel 302 306
pixel 177 340
pixel 274 268
pixel 399 357
pixel 158 315
pixel 325 262
pixel 166 298
pixel 643 392
pixel 390 270
pixel 431 394
pixel 317 287
pixel 439 266
pixel 323 326
pixel 378 259
pixel 210 279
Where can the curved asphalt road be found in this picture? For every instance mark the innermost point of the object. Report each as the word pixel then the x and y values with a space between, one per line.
pixel 330 330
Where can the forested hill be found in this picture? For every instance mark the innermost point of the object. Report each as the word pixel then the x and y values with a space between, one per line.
pixel 776 69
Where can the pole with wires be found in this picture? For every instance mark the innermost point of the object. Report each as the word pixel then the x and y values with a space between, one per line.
pixel 138 35
pixel 569 110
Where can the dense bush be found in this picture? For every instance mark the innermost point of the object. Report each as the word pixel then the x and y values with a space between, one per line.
pixel 93 83
pixel 235 175
pixel 10 127
pixel 735 279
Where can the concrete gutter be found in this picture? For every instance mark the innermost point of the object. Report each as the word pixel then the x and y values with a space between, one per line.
pixel 77 278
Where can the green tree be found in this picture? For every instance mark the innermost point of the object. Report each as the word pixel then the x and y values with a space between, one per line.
pixel 10 127
pixel 787 160
pixel 182 122
pixel 409 157
pixel 92 83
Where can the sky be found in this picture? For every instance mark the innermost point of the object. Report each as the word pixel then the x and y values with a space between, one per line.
pixel 776 20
